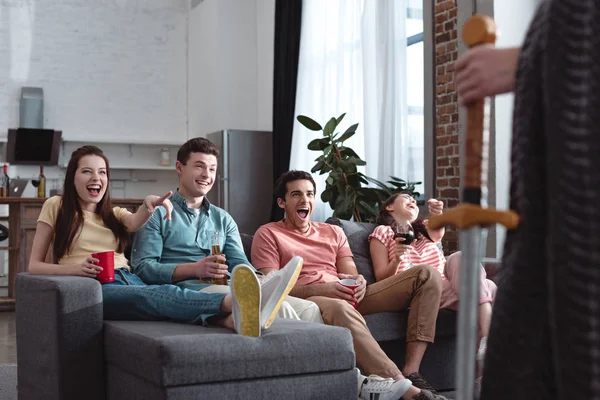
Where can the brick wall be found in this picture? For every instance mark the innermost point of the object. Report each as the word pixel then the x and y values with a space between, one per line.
pixel 446 138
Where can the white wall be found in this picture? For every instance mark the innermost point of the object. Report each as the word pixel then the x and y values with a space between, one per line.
pixel 230 65
pixel 110 69
pixel 512 18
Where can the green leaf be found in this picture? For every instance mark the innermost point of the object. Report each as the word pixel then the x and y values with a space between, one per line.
pixel 329 158
pixel 332 196
pixel 344 204
pixel 354 181
pixel 368 209
pixel 330 180
pixel 349 133
pixel 358 161
pixel 399 185
pixel 309 123
pixel 379 183
pixel 325 169
pixel 317 166
pixel 371 194
pixel 330 127
pixel 348 152
pixel 397 179
pixel 318 144
pixel 327 149
pixel 348 166
pixel 340 118
pixel 325 196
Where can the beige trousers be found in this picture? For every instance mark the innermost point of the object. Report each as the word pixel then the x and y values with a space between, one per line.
pixel 291 308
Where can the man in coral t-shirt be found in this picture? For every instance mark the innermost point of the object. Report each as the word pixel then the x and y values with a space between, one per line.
pixel 327 260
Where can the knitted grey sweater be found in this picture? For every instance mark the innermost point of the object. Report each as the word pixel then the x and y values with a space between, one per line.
pixel 544 341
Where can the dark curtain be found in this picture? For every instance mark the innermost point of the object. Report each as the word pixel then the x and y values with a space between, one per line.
pixel 288 20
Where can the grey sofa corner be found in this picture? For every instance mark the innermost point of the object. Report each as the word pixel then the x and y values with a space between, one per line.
pixel 66 351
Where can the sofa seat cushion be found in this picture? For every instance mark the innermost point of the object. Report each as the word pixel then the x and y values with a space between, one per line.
pixel 392 325
pixel 173 354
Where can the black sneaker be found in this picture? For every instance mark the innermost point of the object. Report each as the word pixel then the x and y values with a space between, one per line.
pixel 420 382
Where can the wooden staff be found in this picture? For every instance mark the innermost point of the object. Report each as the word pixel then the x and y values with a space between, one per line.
pixel 471 216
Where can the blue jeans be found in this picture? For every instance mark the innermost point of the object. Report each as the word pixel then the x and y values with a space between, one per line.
pixel 193 284
pixel 129 298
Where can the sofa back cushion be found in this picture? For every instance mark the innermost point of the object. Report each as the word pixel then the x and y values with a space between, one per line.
pixel 358 239
pixel 247 243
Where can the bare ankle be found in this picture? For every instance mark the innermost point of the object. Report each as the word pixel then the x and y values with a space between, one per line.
pixel 225 322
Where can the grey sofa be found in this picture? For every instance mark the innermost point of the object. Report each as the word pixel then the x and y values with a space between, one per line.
pixel 66 351
pixel 389 329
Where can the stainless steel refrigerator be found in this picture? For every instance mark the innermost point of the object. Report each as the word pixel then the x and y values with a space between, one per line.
pixel 244 185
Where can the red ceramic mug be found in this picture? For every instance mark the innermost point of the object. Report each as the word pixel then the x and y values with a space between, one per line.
pixel 352 284
pixel 106 260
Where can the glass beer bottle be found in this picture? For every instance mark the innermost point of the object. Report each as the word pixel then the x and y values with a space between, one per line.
pixel 216 250
pixel 42 185
pixel 4 182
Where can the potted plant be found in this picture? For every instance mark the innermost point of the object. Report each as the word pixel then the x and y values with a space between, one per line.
pixel 344 190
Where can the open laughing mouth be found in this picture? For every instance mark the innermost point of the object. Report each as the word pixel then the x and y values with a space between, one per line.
pixel 202 183
pixel 302 213
pixel 94 189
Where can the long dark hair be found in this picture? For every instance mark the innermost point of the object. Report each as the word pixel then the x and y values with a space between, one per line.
pixel 70 215
pixel 385 218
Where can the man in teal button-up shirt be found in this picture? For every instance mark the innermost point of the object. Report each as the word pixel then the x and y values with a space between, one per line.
pixel 184 242
pixel 179 250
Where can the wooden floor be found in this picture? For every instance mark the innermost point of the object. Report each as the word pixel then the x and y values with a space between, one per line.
pixel 8 338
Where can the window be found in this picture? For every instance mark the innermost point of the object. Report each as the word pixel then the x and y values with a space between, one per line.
pixel 415 91
pixel 365 59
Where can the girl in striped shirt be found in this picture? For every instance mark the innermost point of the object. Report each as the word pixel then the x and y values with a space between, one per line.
pixel 390 256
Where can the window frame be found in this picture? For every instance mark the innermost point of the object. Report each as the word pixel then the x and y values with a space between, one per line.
pixel 420 37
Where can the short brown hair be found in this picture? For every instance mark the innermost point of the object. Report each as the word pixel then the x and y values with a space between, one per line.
pixel 196 145
pixel 291 176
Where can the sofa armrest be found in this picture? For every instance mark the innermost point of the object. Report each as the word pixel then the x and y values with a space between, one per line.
pixel 60 346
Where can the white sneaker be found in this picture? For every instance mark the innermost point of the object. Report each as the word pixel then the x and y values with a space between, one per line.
pixel 246 296
pixel 275 287
pixel 377 388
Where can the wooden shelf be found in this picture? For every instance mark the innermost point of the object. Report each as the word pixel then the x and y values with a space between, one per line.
pixel 138 167
pixel 7 304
